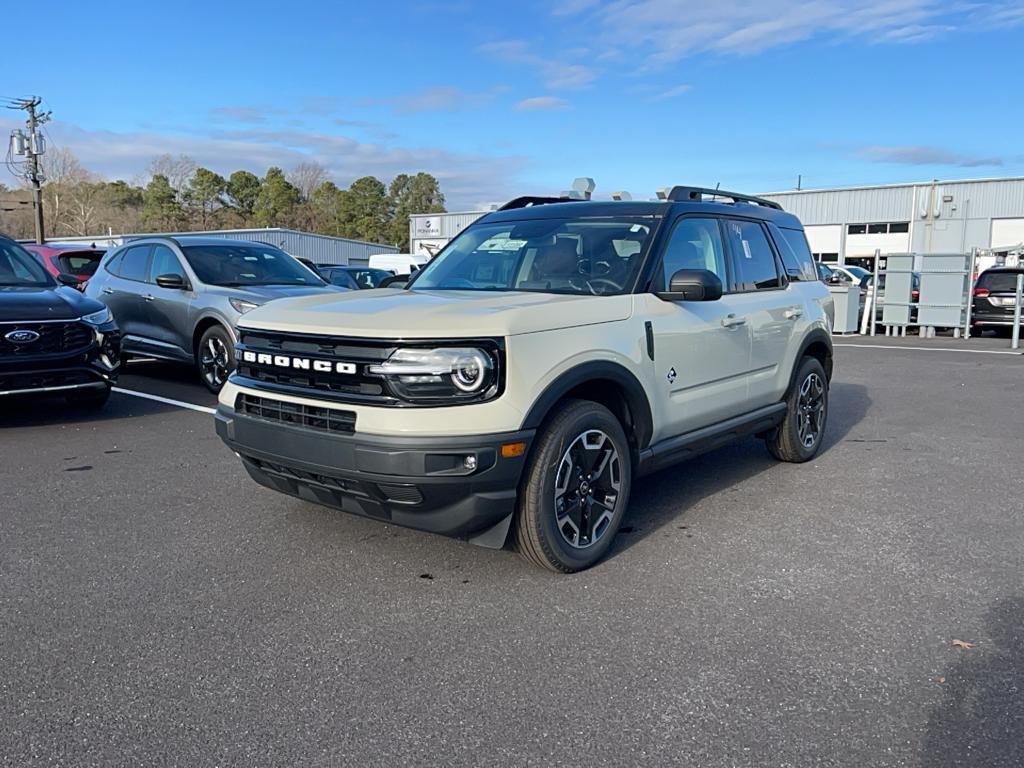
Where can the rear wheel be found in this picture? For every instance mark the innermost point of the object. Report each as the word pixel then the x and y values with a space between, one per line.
pixel 799 436
pixel 89 398
pixel 575 490
pixel 215 357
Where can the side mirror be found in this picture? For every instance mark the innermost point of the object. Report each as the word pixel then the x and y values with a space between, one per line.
pixel 65 279
pixel 692 285
pixel 173 282
pixel 835 279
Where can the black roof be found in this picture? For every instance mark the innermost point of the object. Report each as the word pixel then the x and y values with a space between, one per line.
pixel 585 209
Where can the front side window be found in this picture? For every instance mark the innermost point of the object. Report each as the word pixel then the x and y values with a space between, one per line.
pixel 19 269
pixel 164 262
pixel 756 269
pixel 596 257
pixel 134 264
pixel 694 244
pixel 237 265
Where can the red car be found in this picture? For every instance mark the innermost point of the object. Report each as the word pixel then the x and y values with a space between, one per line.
pixel 68 259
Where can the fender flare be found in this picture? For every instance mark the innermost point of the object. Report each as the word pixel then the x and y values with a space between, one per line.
pixel 817 335
pixel 636 397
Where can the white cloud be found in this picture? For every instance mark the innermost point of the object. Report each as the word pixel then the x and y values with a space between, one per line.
pixel 922 155
pixel 541 103
pixel 666 31
pixel 557 72
pixel 465 177
pixel 442 98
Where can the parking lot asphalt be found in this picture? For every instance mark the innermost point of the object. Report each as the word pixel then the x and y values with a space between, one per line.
pixel 158 607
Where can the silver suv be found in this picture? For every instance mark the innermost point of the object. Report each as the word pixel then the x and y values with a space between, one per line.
pixel 551 354
pixel 179 298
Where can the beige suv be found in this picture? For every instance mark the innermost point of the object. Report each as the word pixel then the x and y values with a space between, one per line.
pixel 551 354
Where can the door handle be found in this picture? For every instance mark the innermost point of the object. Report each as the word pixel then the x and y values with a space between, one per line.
pixel 793 313
pixel 731 321
pixel 149 297
pixel 108 290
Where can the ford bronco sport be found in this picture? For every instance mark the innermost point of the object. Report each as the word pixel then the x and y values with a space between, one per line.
pixel 552 353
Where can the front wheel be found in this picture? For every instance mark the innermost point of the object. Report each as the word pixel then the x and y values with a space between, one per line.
pixel 215 357
pixel 575 490
pixel 798 438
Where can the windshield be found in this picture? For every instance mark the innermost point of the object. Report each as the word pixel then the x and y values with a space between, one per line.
pixel 858 272
pixel 254 264
pixel 18 268
pixel 574 256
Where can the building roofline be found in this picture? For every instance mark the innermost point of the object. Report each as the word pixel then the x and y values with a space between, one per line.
pixel 446 213
pixel 898 185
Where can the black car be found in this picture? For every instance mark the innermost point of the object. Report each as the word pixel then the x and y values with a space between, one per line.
pixel 354 277
pixel 52 338
pixel 994 299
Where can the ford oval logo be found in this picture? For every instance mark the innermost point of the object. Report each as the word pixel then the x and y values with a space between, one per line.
pixel 21 337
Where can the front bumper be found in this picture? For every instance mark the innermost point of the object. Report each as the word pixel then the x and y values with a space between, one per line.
pixel 415 482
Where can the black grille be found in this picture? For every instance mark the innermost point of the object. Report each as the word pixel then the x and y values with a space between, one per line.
pixel 308 416
pixel 54 339
pixel 354 386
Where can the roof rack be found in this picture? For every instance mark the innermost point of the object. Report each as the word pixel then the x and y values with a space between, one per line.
pixel 697 194
pixel 528 201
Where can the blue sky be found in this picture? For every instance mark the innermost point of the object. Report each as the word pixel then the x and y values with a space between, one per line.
pixel 505 98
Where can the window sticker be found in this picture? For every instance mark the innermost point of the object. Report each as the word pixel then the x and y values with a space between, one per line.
pixel 746 250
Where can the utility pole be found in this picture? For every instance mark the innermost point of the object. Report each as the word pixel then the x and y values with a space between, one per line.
pixel 31 146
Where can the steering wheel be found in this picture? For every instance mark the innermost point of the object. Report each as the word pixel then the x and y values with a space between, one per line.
pixel 459 282
pixel 593 283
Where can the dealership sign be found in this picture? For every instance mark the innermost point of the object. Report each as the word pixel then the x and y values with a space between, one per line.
pixel 426 226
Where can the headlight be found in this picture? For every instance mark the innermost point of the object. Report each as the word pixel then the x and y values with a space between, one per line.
pixel 97 319
pixel 459 373
pixel 242 306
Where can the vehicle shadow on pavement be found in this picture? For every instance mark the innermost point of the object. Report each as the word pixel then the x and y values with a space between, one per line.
pixel 666 496
pixel 43 410
pixel 980 719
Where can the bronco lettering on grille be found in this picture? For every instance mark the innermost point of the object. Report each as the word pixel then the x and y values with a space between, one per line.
pixel 298 363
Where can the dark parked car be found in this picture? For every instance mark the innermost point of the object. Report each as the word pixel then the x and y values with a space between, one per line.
pixel 52 338
pixel 994 299
pixel 179 298
pixel 68 260
pixel 354 277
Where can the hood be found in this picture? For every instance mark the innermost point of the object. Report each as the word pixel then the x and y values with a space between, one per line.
pixel 20 303
pixel 392 313
pixel 264 293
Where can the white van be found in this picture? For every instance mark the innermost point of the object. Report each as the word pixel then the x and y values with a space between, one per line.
pixel 398 263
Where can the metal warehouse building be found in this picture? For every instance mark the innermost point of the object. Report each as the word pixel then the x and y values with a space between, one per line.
pixel 848 225
pixel 320 249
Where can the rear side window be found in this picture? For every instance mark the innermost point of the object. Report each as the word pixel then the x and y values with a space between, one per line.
pixel 998 282
pixel 796 254
pixel 134 264
pixel 756 268
pixel 79 263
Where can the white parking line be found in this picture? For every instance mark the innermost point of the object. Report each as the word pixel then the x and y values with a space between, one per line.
pixel 166 400
pixel 933 349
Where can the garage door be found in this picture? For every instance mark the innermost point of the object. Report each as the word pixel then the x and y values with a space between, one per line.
pixel 1007 232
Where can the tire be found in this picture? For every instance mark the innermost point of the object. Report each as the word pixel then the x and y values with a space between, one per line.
pixel 89 398
pixel 564 535
pixel 798 438
pixel 215 357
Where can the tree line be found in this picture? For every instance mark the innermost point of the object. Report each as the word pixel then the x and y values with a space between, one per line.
pixel 177 195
